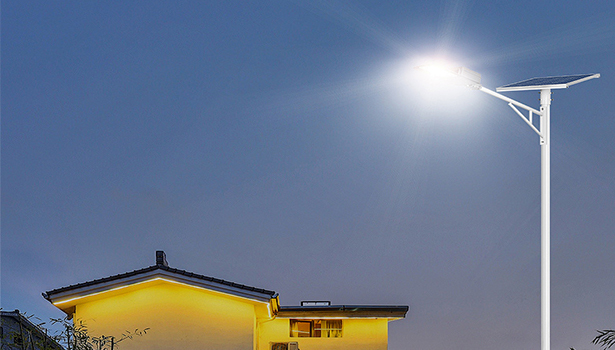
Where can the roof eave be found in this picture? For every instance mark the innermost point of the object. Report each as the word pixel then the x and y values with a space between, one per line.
pixel 71 294
pixel 344 311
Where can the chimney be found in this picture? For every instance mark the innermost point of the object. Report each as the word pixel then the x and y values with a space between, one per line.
pixel 161 258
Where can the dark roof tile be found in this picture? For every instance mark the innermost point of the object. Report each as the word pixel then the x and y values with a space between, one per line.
pixel 152 268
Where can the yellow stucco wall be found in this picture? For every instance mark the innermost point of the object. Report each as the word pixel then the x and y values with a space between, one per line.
pixel 178 317
pixel 182 316
pixel 357 334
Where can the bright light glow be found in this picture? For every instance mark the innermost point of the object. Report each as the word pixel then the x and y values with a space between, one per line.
pixel 439 69
pixel 437 97
pixel 104 291
pixel 457 76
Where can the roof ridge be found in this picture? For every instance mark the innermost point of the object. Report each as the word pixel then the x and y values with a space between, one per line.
pixel 102 280
pixel 47 294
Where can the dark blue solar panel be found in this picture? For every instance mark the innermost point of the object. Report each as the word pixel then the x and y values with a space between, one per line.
pixel 563 79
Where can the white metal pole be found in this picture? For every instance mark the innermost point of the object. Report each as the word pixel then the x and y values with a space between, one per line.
pixel 545 218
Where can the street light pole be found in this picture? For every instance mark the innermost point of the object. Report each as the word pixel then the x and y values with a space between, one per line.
pixel 545 220
pixel 473 80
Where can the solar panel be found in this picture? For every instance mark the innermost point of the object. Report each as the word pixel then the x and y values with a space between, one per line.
pixel 559 82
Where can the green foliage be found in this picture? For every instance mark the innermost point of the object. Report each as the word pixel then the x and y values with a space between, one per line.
pixel 605 338
pixel 70 334
pixel 75 336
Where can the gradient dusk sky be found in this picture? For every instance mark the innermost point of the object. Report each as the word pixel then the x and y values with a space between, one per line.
pixel 291 146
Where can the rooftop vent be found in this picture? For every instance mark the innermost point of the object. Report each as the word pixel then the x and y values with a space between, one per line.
pixel 161 258
pixel 316 303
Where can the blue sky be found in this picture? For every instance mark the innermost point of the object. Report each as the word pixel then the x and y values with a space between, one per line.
pixel 289 145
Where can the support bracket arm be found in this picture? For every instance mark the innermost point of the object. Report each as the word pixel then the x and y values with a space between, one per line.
pixel 514 104
pixel 527 120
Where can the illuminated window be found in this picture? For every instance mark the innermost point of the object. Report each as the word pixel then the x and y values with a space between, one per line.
pixel 316 328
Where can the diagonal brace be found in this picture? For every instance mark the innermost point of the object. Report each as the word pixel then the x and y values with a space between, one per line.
pixel 514 104
pixel 527 120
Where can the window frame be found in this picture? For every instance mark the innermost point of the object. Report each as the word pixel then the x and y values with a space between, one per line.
pixel 318 328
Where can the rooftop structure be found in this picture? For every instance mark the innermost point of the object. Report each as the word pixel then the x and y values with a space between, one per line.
pixel 187 310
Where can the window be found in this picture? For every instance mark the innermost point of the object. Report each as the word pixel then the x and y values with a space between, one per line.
pixel 316 328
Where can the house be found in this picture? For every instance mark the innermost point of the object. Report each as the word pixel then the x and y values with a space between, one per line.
pixel 17 332
pixel 184 310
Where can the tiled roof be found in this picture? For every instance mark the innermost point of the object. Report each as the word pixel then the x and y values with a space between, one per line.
pixel 48 294
pixel 385 311
pixel 36 331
